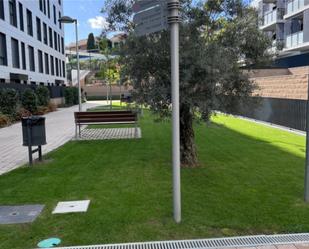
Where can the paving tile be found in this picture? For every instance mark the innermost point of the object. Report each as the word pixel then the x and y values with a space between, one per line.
pixel 288 246
pixel 266 247
pixel 302 245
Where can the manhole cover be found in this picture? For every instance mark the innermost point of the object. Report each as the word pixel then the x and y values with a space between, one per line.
pixel 71 207
pixel 19 214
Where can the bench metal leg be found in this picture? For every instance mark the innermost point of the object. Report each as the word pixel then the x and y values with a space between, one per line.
pixel 79 132
pixel 76 132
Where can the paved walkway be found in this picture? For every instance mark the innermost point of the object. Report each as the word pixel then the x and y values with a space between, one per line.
pixel 283 246
pixel 60 128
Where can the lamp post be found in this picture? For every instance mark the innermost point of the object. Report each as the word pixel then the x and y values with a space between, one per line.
pixel 67 19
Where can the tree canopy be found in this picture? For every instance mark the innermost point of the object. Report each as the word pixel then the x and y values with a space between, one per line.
pixel 217 38
pixel 91 42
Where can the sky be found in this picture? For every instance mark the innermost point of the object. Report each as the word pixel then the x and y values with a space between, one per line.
pixel 90 20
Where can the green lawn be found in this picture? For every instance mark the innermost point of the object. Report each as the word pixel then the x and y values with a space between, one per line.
pixel 250 181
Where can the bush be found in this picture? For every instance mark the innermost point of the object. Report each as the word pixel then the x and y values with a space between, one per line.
pixel 8 101
pixel 52 107
pixel 43 95
pixel 4 120
pixel 29 100
pixel 42 110
pixel 22 113
pixel 71 95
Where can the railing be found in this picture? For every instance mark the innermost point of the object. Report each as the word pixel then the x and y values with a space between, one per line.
pixel 295 5
pixel 295 39
pixel 270 17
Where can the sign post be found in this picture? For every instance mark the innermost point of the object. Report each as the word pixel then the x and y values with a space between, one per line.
pixel 306 197
pixel 151 16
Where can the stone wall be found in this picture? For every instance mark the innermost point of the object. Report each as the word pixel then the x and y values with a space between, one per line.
pixel 101 90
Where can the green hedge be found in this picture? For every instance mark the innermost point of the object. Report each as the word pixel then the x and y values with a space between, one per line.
pixel 71 96
pixel 8 101
pixel 43 95
pixel 115 97
pixel 29 100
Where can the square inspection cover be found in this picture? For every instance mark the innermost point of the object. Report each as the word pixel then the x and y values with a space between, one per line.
pixel 71 207
pixel 19 214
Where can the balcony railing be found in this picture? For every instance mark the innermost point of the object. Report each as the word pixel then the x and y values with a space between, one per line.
pixel 270 17
pixel 295 39
pixel 295 5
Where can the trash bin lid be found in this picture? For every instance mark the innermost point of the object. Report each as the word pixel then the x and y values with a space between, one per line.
pixel 32 120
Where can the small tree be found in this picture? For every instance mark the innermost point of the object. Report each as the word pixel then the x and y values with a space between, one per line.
pixel 91 42
pixel 43 95
pixel 8 101
pixel 29 100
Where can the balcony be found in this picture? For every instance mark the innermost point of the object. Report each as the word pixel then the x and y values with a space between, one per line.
pixel 294 40
pixel 295 6
pixel 270 17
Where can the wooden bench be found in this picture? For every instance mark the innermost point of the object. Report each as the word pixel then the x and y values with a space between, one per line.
pixel 107 117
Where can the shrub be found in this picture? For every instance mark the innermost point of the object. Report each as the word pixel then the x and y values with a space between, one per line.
pixel 8 101
pixel 43 95
pixel 4 120
pixel 29 100
pixel 71 95
pixel 52 107
pixel 22 113
pixel 42 110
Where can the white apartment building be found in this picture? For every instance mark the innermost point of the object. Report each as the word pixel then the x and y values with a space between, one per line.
pixel 32 42
pixel 287 22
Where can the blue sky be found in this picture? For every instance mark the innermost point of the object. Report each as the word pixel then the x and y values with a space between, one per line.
pixel 87 12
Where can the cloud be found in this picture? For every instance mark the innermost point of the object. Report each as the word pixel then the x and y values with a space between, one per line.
pixel 99 22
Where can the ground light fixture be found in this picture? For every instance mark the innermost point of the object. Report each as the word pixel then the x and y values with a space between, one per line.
pixel 68 20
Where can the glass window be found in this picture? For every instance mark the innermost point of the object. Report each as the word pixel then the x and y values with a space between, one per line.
pixel 63 69
pixel 44 6
pixel 46 63
pixel 38 29
pixel 21 17
pixel 48 8
pixel 59 15
pixel 1 10
pixel 59 49
pixel 29 23
pixel 23 55
pixel 31 58
pixel 57 67
pixel 12 10
pixel 15 53
pixel 3 53
pixel 50 37
pixel 55 15
pixel 55 41
pixel 40 60
pixel 52 67
pixel 41 5
pixel 62 45
pixel 45 33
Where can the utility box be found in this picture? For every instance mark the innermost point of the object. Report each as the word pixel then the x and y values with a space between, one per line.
pixel 34 134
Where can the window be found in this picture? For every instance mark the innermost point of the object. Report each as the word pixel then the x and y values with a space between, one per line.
pixel 50 37
pixel 63 69
pixel 48 8
pixel 55 18
pixel 59 49
pixel 59 1
pixel 57 67
pixel 29 23
pixel 62 45
pixel 31 58
pixel 21 17
pixel 15 53
pixel 40 60
pixel 23 55
pixel 38 29
pixel 59 15
pixel 46 64
pixel 45 33
pixel 12 10
pixel 3 53
pixel 52 67
pixel 1 10
pixel 55 41
pixel 44 6
pixel 41 5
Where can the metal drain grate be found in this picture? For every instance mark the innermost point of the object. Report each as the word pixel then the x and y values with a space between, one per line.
pixel 245 241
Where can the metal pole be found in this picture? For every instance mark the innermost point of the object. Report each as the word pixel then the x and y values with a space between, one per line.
pixel 78 79
pixel 173 6
pixel 307 150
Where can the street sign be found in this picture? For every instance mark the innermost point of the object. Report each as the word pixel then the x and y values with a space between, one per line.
pixel 151 20
pixel 145 4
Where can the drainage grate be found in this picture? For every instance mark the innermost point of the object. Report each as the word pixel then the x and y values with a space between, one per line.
pixel 245 241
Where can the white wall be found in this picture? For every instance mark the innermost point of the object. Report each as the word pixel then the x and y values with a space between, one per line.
pixel 22 36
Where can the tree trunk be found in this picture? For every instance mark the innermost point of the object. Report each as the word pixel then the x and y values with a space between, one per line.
pixel 187 146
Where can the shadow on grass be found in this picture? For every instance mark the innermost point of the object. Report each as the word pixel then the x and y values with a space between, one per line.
pixel 245 185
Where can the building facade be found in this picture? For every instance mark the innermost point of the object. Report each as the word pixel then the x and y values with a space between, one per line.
pixel 32 42
pixel 287 23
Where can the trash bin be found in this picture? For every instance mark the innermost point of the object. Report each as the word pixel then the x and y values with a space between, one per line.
pixel 36 126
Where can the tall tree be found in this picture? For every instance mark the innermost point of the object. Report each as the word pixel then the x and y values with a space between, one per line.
pixel 217 36
pixel 91 42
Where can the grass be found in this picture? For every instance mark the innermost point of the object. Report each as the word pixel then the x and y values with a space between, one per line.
pixel 250 181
